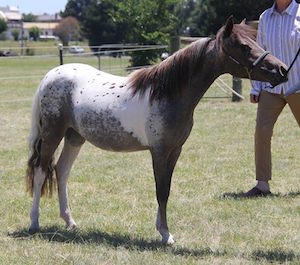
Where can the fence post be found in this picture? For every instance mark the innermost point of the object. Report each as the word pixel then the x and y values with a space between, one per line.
pixel 174 44
pixel 99 59
pixel 60 48
pixel 237 87
pixel 22 38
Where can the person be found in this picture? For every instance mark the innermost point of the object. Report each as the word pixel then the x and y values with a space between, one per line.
pixel 279 33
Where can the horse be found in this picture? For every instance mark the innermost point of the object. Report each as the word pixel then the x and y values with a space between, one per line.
pixel 150 109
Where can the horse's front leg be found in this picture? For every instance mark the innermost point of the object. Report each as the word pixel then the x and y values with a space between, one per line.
pixel 68 155
pixel 163 166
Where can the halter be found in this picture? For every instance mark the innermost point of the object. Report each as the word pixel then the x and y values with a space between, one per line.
pixel 258 60
pixel 255 63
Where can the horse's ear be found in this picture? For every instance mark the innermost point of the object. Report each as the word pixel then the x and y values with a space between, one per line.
pixel 228 26
pixel 243 22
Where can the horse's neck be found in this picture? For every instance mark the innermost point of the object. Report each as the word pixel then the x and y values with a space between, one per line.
pixel 211 68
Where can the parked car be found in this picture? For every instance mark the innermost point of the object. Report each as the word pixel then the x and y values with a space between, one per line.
pixel 76 49
pixel 8 53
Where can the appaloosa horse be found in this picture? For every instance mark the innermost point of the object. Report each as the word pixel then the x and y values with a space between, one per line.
pixel 151 109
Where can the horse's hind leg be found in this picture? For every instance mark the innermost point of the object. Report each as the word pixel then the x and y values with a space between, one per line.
pixel 163 166
pixel 38 181
pixel 72 145
pixel 41 172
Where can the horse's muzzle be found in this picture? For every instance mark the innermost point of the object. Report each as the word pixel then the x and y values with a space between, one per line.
pixel 281 78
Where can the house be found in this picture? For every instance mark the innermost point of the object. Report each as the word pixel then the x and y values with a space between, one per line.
pixel 46 29
pixel 46 24
pixel 13 18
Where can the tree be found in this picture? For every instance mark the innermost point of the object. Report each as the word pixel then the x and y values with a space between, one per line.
pixel 68 29
pixel 34 33
pixel 29 17
pixel 147 22
pixel 209 15
pixel 183 10
pixel 75 8
pixel 100 24
pixel 15 33
pixel 3 25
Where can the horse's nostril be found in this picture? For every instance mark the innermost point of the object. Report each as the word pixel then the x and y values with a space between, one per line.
pixel 282 71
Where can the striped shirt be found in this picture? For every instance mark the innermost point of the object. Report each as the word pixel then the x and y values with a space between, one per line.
pixel 279 33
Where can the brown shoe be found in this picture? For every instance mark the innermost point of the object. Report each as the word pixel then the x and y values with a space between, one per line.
pixel 255 192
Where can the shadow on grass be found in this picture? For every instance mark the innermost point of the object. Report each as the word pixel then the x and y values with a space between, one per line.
pixel 56 234
pixel 276 255
pixel 241 195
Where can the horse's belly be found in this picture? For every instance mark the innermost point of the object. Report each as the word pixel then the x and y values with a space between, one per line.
pixel 104 129
pixel 118 141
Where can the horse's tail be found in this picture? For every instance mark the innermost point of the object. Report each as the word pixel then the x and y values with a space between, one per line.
pixel 34 159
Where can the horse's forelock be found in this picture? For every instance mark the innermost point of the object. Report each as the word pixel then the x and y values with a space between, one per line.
pixel 170 76
pixel 243 31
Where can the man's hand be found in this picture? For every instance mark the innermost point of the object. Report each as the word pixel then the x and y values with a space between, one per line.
pixel 254 98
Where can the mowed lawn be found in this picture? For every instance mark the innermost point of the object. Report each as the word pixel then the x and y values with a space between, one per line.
pixel 112 195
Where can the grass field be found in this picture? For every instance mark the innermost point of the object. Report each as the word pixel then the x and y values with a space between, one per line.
pixel 112 195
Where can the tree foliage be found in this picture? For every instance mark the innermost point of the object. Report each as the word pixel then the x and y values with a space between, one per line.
pixel 146 22
pixel 99 23
pixel 209 15
pixel 3 25
pixel 15 33
pixel 67 30
pixel 76 8
pixel 29 17
pixel 34 33
pixel 153 21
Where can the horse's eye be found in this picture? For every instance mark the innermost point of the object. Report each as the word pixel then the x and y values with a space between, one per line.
pixel 246 49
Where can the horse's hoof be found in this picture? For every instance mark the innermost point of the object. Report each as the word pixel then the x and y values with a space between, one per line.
pixel 33 230
pixel 169 241
pixel 72 226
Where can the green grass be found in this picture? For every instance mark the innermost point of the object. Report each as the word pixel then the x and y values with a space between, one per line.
pixel 112 195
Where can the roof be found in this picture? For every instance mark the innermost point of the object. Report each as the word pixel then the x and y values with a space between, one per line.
pixel 2 15
pixel 40 25
pixel 48 17
pixel 11 13
pixel 13 16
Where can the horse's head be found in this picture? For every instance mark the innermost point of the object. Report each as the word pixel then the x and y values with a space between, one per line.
pixel 245 58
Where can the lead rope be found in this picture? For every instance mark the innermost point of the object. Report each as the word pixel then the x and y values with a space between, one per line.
pixel 293 61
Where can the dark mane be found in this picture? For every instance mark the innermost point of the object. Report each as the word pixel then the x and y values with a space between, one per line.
pixel 170 76
pixel 242 30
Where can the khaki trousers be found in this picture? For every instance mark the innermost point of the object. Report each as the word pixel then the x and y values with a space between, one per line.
pixel 269 107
